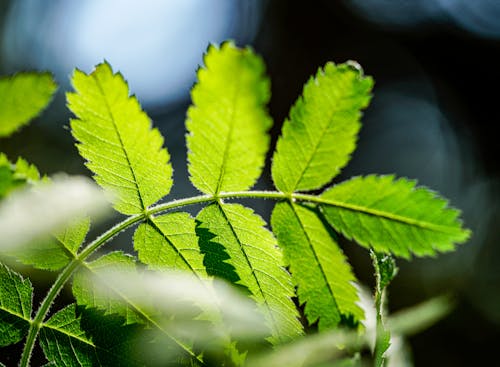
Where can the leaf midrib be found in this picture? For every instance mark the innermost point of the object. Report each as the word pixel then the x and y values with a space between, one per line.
pixel 229 135
pixel 157 228
pixel 112 119
pixel 242 248
pixel 316 258
pixel 10 312
pixel 70 334
pixel 315 149
pixel 378 213
pixel 80 339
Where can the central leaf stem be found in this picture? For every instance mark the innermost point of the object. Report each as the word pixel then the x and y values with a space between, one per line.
pixel 65 275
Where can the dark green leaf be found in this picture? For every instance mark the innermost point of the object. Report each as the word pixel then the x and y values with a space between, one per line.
pixel 85 280
pixel 319 268
pixel 77 338
pixel 16 296
pixel 253 253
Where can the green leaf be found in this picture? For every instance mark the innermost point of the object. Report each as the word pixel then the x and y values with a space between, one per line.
pixel 84 283
pixel 16 296
pixel 57 252
pixel 116 139
pixel 383 343
pixel 253 253
pixel 322 129
pixel 318 266
pixel 94 287
pixel 385 271
pixel 65 199
pixel 50 254
pixel 393 216
pixel 74 338
pixel 169 242
pixel 13 176
pixel 227 123
pixel 22 97
pixel 73 236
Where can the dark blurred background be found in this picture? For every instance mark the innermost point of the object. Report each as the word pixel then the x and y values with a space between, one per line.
pixel 433 116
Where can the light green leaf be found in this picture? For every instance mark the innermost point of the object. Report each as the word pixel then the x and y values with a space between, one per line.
pixel 73 236
pixel 169 242
pixel 16 296
pixel 383 343
pixel 22 97
pixel 385 269
pixel 86 295
pixel 227 123
pixel 318 266
pixel 322 129
pixel 253 253
pixel 51 254
pixel 57 252
pixel 13 176
pixel 116 139
pixel 84 338
pixel 393 216
pixel 27 230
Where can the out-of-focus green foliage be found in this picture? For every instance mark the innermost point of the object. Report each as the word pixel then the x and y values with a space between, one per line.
pixel 22 97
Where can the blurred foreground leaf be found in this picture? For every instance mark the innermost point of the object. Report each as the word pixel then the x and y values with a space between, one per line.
pixel 22 97
pixel 36 212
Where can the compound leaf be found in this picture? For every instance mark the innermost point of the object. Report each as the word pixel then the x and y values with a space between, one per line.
pixel 227 123
pixel 116 139
pixel 16 297
pixel 169 242
pixel 322 129
pixel 393 216
pixel 77 338
pixel 23 97
pixel 318 266
pixel 85 279
pixel 253 253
